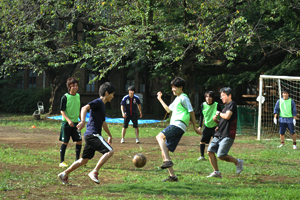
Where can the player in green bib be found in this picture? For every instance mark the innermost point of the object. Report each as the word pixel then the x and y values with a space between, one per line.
pixel 286 108
pixel 208 110
pixel 70 110
pixel 182 112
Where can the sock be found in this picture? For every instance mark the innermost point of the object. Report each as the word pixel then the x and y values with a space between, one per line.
pixel 294 143
pixel 63 148
pixel 202 147
pixel 282 142
pixel 77 151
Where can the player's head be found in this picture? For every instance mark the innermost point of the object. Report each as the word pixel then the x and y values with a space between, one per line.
pixel 178 82
pixel 72 81
pixel 226 94
pixel 131 90
pixel 209 97
pixel 285 93
pixel 107 89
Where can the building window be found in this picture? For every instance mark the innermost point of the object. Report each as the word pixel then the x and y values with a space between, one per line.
pixel 251 88
pixel 55 25
pixel 90 85
pixel 31 79
pixel 20 81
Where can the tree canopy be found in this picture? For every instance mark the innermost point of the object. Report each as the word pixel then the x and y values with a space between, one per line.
pixel 205 41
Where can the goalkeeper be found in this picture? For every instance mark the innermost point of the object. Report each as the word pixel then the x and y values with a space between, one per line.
pixel 286 108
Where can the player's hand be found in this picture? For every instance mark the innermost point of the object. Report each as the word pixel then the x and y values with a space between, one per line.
pixel 80 125
pixel 159 94
pixel 198 131
pixel 275 120
pixel 71 123
pixel 109 140
pixel 216 129
pixel 124 116
pixel 218 113
pixel 294 122
pixel 141 115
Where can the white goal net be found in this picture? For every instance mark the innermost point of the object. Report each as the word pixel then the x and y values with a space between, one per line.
pixel 270 88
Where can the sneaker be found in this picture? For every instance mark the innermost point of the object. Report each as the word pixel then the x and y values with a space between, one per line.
pixel 167 164
pixel 137 141
pixel 64 179
pixel 281 145
pixel 215 174
pixel 122 140
pixel 94 176
pixel 201 158
pixel 294 146
pixel 239 166
pixel 171 179
pixel 63 164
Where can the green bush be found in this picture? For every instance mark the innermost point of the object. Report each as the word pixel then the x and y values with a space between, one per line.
pixel 23 101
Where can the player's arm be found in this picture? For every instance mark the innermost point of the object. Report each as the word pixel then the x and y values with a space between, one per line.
pixel 63 113
pixel 159 94
pixel 84 110
pixel 193 118
pixel 201 118
pixel 216 118
pixel 140 109
pixel 226 115
pixel 105 128
pixel 122 110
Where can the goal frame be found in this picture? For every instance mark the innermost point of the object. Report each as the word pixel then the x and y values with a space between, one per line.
pixel 260 95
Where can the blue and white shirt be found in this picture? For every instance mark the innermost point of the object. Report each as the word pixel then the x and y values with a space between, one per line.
pixel 130 104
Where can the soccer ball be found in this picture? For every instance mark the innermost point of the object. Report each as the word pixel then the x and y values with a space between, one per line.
pixel 139 160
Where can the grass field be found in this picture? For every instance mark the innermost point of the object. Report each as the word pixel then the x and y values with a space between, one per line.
pixel 29 159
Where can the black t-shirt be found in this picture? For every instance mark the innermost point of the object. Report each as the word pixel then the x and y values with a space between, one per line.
pixel 227 128
pixel 97 117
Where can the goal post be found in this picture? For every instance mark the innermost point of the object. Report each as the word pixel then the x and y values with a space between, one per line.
pixel 270 88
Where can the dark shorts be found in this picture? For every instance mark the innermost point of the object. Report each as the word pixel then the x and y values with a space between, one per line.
pixel 173 135
pixel 208 133
pixel 134 120
pixel 283 127
pixel 94 143
pixel 220 146
pixel 67 131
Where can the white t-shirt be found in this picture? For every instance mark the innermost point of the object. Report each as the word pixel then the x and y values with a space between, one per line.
pixel 185 102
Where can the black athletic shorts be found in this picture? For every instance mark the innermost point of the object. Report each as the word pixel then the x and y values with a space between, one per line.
pixel 95 143
pixel 67 131
pixel 208 133
pixel 173 135
pixel 134 120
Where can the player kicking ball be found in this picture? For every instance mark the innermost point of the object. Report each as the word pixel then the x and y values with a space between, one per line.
pixel 225 134
pixel 93 139
pixel 169 138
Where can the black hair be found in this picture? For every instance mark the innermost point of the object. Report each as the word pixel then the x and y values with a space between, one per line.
pixel 227 91
pixel 107 86
pixel 178 82
pixel 71 81
pixel 132 88
pixel 285 90
pixel 211 94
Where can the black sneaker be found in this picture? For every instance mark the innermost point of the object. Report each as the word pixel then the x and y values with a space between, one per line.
pixel 171 179
pixel 167 164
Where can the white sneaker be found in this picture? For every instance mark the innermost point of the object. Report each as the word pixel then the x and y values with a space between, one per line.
pixel 239 166
pixel 215 174
pixel 94 176
pixel 201 158
pixel 294 146
pixel 122 140
pixel 63 164
pixel 281 145
pixel 64 179
pixel 137 141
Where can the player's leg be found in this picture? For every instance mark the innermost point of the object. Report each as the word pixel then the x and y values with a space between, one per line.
pixel 161 139
pixel 134 120
pixel 291 128
pixel 64 138
pixel 205 139
pixel 225 145
pixel 282 128
pixel 103 147
pixel 76 137
pixel 125 126
pixel 211 151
